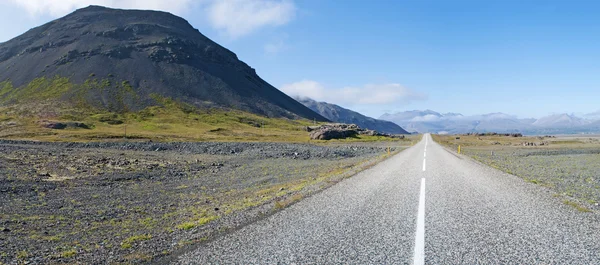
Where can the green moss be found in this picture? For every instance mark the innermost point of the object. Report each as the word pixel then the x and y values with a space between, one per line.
pixel 6 87
pixel 576 206
pixel 200 222
pixel 22 255
pixel 68 253
pixel 127 243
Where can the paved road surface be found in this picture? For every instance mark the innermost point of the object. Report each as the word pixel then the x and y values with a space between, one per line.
pixel 425 205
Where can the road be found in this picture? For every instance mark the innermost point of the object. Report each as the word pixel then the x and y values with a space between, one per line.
pixel 425 205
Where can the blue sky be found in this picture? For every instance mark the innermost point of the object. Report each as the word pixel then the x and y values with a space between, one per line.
pixel 528 58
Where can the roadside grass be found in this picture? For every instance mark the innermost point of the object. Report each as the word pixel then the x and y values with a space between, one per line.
pixel 200 222
pixel 577 206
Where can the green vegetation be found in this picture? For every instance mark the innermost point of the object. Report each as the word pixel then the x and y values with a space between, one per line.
pixel 127 243
pixel 68 253
pixel 22 255
pixel 200 222
pixel 576 206
pixel 39 89
pixel 59 100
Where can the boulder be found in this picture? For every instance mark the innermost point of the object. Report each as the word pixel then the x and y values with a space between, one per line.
pixel 54 125
pixel 333 131
pixel 331 134
pixel 63 125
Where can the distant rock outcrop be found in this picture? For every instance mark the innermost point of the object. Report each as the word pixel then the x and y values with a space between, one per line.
pixel 341 131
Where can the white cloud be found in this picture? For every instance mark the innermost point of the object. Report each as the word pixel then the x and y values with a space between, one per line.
pixel 58 8
pixel 370 94
pixel 306 89
pixel 233 18
pixel 427 118
pixel 238 18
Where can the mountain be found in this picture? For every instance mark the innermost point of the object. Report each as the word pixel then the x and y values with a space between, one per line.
pixel 338 114
pixel 455 123
pixel 560 121
pixel 114 58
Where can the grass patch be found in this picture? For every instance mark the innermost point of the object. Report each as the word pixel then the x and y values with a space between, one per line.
pixel 22 255
pixel 68 253
pixel 577 206
pixel 127 243
pixel 534 181
pixel 280 204
pixel 202 221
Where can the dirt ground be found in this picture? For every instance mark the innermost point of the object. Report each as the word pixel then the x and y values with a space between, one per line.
pixel 137 202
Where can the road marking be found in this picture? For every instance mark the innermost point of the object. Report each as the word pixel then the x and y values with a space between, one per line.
pixel 419 257
pixel 424 163
pixel 425 153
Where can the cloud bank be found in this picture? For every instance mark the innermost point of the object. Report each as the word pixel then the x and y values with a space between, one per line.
pixel 370 94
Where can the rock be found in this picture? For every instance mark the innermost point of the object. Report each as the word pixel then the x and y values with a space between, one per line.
pixel 334 131
pixel 331 134
pixel 63 125
pixel 342 130
pixel 55 125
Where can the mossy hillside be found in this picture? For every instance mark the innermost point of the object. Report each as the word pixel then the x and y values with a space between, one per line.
pixel 109 108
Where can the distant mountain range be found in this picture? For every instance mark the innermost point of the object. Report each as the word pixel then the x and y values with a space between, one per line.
pixel 338 114
pixel 435 122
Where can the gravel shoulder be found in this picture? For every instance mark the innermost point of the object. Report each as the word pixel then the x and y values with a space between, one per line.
pixel 569 166
pixel 98 203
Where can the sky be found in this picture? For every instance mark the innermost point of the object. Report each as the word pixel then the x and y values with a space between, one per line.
pixel 526 58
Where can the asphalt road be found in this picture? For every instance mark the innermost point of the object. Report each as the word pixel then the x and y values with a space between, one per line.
pixel 425 205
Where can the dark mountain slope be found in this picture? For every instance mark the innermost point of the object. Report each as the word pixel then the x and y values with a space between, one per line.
pixel 148 52
pixel 338 114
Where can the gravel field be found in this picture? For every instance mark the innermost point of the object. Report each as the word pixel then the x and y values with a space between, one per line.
pixel 572 173
pixel 134 202
pixel 568 165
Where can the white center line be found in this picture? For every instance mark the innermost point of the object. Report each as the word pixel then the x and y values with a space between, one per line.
pixel 424 163
pixel 419 257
